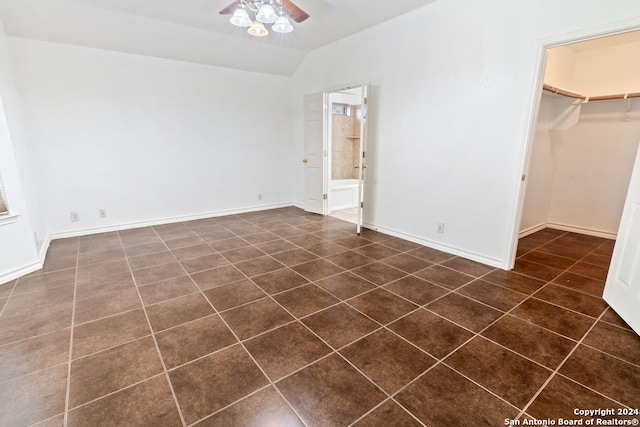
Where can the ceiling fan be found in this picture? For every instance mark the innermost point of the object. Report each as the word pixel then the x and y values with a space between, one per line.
pixel 276 12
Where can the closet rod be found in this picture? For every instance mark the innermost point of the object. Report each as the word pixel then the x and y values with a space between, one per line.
pixel 563 92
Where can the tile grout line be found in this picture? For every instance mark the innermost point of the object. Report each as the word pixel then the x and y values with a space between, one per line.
pixel 70 360
pixel 155 341
pixel 240 342
pixel 556 371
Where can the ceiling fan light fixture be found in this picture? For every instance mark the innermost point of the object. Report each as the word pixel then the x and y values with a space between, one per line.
pixel 282 25
pixel 257 29
pixel 266 14
pixel 240 18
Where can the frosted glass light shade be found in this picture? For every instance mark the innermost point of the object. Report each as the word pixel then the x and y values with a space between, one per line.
pixel 240 18
pixel 266 14
pixel 282 25
pixel 257 29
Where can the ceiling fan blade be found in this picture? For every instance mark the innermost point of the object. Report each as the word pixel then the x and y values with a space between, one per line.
pixel 231 8
pixel 294 11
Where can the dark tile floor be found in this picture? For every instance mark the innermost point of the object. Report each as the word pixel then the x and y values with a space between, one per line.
pixel 284 318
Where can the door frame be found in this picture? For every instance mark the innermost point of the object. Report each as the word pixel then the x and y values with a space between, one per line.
pixel 365 82
pixel 534 108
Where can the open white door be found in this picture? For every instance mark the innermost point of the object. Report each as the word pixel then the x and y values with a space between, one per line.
pixel 622 289
pixel 314 148
pixel 362 164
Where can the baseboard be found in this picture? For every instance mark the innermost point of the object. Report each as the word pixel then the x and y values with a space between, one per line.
pixel 532 230
pixel 168 220
pixel 493 262
pixel 298 205
pixel 582 230
pixel 19 272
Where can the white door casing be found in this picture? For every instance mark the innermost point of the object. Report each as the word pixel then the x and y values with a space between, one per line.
pixel 622 288
pixel 362 164
pixel 314 111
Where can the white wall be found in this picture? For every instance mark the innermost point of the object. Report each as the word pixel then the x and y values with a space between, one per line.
pixel 150 139
pixel 452 88
pixel 23 237
pixel 540 175
pixel 594 160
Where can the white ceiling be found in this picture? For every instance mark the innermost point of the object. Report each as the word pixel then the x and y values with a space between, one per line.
pixel 192 30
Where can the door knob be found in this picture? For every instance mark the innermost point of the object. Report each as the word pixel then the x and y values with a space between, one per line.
pixel 305 161
pixel 356 167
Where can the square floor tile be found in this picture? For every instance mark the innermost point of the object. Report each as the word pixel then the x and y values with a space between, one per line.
pixel 217 277
pixel 382 306
pixel 30 325
pixel 407 263
pixel 502 371
pixel 432 333
pixel 192 340
pixel 294 257
pixel 35 397
pixel 340 325
pixel 446 277
pixel 150 260
pixel 265 407
pixel 573 300
pixel 256 317
pixel 466 266
pixel 156 273
pixel 350 259
pixel 615 378
pixel 177 311
pixel 618 342
pixel 560 320
pixel 493 295
pixel 286 349
pixel 388 414
pixel 195 251
pixel 379 273
pixel 590 270
pixel 234 294
pixel 514 281
pixel 213 382
pixel 436 396
pixel 330 392
pixel 110 370
pixel 147 403
pixel 387 360
pixel 205 262
pixel 317 269
pixel 257 266
pixel 549 259
pixel 430 254
pixel 279 281
pixel 305 300
pixel 416 290
pixel 167 289
pixel 465 312
pixel 562 396
pixel 580 283
pixel 345 285
pixel 377 251
pixel 529 340
pixel 103 286
pixel 109 332
pixel 34 354
pixel 539 271
pixel 93 308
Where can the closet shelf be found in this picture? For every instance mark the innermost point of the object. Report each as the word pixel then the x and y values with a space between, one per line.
pixel 563 92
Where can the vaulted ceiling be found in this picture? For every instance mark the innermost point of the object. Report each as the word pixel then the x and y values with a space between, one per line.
pixel 192 30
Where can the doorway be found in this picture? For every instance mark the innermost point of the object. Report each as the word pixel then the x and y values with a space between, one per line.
pixel 334 159
pixel 581 158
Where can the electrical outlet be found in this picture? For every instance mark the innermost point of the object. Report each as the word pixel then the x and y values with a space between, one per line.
pixel 75 217
pixel 259 196
pixel 102 213
pixel 440 228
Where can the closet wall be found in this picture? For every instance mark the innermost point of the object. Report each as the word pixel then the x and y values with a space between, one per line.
pixel 578 178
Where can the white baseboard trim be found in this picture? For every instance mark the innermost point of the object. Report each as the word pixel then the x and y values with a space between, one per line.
pixel 19 272
pixel 298 205
pixel 168 220
pixel 532 230
pixel 493 262
pixel 582 230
